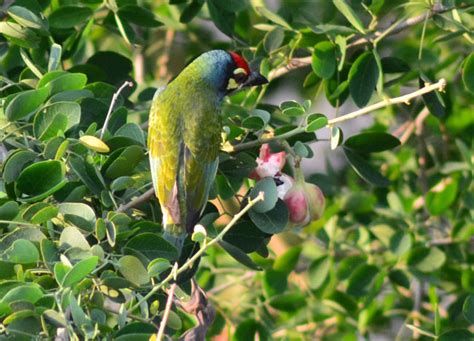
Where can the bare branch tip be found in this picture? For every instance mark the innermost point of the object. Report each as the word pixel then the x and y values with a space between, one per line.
pixel 442 84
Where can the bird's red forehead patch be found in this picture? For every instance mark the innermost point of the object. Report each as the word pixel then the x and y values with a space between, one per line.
pixel 240 61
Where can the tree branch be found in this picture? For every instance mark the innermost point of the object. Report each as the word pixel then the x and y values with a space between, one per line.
pixel 111 107
pixel 189 263
pixel 440 85
pixel 166 314
pixel 296 63
pixel 137 201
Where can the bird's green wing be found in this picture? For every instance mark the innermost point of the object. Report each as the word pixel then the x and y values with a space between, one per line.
pixel 202 139
pixel 198 179
pixel 164 143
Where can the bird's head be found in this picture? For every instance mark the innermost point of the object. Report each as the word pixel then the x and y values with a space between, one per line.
pixel 225 71
pixel 242 76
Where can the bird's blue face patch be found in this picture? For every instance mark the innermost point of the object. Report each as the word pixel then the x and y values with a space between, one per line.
pixel 218 68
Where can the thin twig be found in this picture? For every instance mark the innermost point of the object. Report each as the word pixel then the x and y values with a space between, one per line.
pixel 296 63
pixel 166 314
pixel 189 263
pixel 111 107
pixel 137 201
pixel 440 85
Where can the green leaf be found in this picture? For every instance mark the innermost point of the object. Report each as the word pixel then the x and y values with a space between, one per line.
pixel 341 43
pixel 59 81
pixel 33 234
pixel 363 77
pixel 15 164
pixel 88 174
pixel 319 271
pixel 400 243
pixel 456 335
pixel 223 19
pixel 9 210
pixel 250 329
pixel 253 123
pixel 288 302
pixel 138 15
pixel 117 68
pixel 292 108
pixel 275 18
pixel 394 65
pixel 40 213
pixel 28 293
pixel 336 137
pixel 268 187
pixel 69 16
pixel 157 266
pixel 78 315
pixel 152 246
pixel 26 18
pixel 51 172
pixel 123 161
pixel 324 59
pixel 400 278
pixel 133 270
pixel 49 253
pixel 246 236
pixel 426 259
pixel 468 73
pixel 273 39
pixel 133 131
pixel 350 15
pixel 371 142
pixel 22 251
pixel 290 104
pixel 303 150
pixel 468 308
pixel 315 122
pixel 55 318
pixel 71 96
pixel 79 271
pixel 25 104
pixel 287 262
pixel 441 196
pixel 122 183
pixel 238 255
pixel 273 221
pixel 364 169
pixel 54 62
pixel 21 36
pixel 72 237
pixel 361 281
pixel 55 119
pixel 191 11
pixel 274 282
pixel 94 143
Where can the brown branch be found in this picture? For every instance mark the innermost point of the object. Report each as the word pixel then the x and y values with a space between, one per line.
pixel 137 201
pixel 296 63
pixel 166 314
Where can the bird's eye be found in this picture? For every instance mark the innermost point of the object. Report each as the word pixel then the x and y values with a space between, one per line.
pixel 240 75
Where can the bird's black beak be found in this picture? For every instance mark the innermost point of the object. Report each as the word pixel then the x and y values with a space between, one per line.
pixel 255 79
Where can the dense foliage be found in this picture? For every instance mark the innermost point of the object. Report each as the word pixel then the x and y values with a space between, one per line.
pixel 82 254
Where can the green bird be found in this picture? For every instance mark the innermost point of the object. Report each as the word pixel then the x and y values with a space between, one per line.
pixel 184 136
